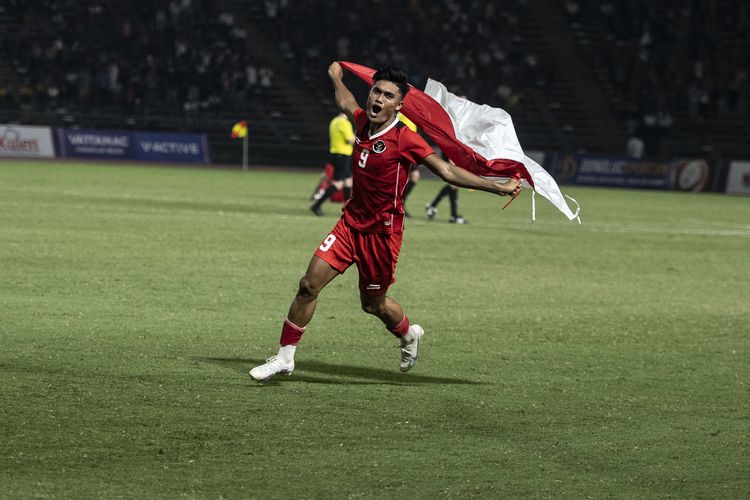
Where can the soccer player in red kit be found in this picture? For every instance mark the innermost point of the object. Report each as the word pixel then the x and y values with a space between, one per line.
pixel 370 230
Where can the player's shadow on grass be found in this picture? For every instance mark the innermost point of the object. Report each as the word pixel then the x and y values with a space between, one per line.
pixel 305 370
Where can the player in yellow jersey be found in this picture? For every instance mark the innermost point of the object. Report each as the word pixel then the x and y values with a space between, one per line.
pixel 341 136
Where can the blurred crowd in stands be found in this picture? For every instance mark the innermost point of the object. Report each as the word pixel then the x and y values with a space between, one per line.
pixel 669 58
pixel 476 47
pixel 164 54
pixel 187 54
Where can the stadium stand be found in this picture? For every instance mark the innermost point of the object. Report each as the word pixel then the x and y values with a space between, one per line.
pixel 577 75
pixel 672 71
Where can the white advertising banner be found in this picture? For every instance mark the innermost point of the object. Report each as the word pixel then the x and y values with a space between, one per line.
pixel 21 141
pixel 738 179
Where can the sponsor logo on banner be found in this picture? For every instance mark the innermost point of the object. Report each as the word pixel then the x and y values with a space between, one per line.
pixel 683 175
pixel 125 145
pixel 738 179
pixel 691 175
pixel 83 143
pixel 612 171
pixel 26 142
pixel 154 146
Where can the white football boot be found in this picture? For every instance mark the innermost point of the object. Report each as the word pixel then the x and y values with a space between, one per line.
pixel 430 211
pixel 410 347
pixel 271 367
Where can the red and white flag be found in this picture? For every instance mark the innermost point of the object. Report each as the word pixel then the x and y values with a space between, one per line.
pixel 478 138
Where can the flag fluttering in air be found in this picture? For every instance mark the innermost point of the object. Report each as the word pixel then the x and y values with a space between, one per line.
pixel 239 130
pixel 478 138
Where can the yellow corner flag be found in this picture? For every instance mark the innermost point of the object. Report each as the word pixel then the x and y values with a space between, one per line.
pixel 239 130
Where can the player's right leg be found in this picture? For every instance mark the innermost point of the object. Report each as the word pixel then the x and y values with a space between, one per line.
pixel 319 274
pixel 333 257
pixel 332 188
pixel 455 217
pixel 348 188
pixel 342 173
pixel 431 208
pixel 321 186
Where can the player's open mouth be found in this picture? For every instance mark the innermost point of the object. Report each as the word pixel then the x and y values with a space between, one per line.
pixel 375 109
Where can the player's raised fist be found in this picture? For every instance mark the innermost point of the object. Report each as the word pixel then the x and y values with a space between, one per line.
pixel 335 71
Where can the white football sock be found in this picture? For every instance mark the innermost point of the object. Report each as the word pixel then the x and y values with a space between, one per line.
pixel 286 353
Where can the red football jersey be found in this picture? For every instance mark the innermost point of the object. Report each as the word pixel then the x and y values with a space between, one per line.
pixel 380 165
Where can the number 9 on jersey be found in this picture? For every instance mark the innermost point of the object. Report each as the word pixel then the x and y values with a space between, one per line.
pixel 327 243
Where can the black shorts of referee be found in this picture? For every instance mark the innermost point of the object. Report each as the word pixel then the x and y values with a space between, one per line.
pixel 342 166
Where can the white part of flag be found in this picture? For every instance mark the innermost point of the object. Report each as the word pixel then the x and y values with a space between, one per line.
pixel 489 132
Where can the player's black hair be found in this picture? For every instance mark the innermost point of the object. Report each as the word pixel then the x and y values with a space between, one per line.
pixel 393 75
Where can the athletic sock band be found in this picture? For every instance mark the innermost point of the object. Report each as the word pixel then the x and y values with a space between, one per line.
pixel 400 329
pixel 290 333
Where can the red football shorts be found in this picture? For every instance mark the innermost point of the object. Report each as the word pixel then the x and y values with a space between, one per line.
pixel 375 254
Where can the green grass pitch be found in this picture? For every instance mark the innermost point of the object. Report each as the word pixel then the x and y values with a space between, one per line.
pixel 602 360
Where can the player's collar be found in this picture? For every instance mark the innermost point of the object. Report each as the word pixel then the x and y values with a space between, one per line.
pixel 393 124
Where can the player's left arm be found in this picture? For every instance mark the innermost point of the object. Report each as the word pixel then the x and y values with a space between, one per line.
pixel 457 176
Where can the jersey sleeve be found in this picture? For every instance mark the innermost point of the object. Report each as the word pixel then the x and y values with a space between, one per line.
pixel 412 147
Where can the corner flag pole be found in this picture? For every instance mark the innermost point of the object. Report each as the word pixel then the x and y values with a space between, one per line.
pixel 239 131
pixel 244 153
